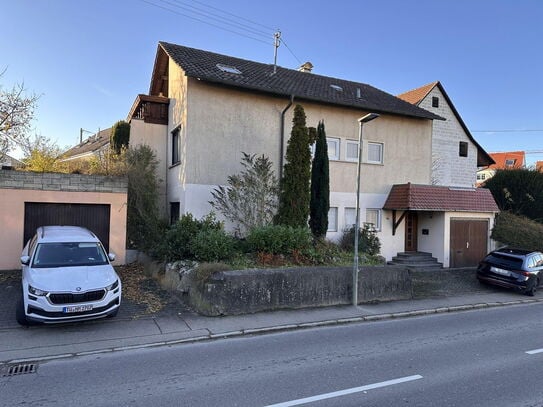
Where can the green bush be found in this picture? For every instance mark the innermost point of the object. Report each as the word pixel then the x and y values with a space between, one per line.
pixel 176 243
pixel 212 245
pixel 368 242
pixel 324 252
pixel 279 239
pixel 518 231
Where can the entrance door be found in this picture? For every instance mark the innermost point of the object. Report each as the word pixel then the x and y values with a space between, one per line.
pixel 411 227
pixel 469 240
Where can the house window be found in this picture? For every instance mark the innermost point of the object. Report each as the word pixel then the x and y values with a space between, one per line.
pixel 510 162
pixel 463 149
pixel 435 101
pixel 175 146
pixel 350 218
pixel 332 219
pixel 481 177
pixel 375 153
pixel 174 212
pixel 373 217
pixel 333 148
pixel 351 150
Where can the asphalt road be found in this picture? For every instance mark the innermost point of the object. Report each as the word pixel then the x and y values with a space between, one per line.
pixel 490 357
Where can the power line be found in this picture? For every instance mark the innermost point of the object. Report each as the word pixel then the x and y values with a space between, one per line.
pixel 203 21
pixel 300 62
pixel 216 17
pixel 233 15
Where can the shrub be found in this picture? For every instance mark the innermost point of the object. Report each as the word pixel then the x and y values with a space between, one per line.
pixel 178 238
pixel 212 245
pixel 518 231
pixel 368 242
pixel 279 239
pixel 205 270
pixel 325 252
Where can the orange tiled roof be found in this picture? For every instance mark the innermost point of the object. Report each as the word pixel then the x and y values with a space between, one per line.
pixel 440 198
pixel 501 158
pixel 415 96
pixel 539 166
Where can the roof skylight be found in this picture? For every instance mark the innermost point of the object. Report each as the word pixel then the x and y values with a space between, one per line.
pixel 229 69
pixel 337 87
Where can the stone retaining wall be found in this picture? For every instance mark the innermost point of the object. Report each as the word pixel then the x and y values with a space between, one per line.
pixel 62 182
pixel 249 291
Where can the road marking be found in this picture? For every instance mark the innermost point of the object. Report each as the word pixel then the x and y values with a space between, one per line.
pixel 533 352
pixel 346 391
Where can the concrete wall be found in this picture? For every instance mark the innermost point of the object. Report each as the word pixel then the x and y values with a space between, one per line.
pixel 249 291
pixel 156 137
pixel 18 187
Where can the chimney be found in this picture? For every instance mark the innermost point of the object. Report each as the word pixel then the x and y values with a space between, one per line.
pixel 307 67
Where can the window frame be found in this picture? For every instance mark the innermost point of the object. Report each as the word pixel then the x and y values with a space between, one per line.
pixel 336 210
pixel 176 146
pixel 379 217
pixel 435 101
pixel 175 212
pixel 382 153
pixel 351 142
pixel 337 141
pixel 463 148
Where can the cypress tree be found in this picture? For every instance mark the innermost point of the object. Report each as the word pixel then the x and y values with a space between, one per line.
pixel 320 186
pixel 294 192
pixel 120 136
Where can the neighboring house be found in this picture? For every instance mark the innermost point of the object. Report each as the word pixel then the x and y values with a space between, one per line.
pixel 90 147
pixel 502 161
pixel 204 109
pixel 539 166
pixel 455 153
pixel 9 163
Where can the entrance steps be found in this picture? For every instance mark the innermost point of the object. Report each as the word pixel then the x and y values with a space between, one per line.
pixel 420 261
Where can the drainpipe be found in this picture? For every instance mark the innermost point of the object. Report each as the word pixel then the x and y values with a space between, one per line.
pixel 282 140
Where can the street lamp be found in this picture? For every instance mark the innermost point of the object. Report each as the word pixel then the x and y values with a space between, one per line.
pixel 367 118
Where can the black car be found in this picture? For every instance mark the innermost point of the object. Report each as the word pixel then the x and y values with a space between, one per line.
pixel 513 268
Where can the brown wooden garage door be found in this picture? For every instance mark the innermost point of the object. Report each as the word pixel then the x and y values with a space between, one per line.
pixel 94 217
pixel 469 242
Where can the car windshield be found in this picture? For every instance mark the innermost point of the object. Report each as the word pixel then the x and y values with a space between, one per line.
pixel 69 255
pixel 505 261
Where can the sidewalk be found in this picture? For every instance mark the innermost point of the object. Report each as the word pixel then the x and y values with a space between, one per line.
pixel 179 325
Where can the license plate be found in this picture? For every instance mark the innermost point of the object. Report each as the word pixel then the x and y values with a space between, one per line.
pixel 500 271
pixel 77 308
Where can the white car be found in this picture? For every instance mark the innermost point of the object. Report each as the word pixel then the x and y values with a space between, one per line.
pixel 67 276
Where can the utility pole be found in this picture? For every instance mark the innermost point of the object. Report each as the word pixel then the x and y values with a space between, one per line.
pixel 276 43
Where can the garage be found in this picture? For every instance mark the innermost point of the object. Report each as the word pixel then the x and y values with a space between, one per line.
pixel 30 200
pixel 94 217
pixel 469 241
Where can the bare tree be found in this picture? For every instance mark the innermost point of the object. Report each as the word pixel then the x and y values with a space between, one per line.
pixel 16 114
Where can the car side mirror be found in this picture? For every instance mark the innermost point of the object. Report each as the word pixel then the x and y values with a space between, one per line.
pixel 25 260
pixel 111 256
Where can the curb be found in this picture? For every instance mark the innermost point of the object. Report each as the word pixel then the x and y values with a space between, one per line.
pixel 281 328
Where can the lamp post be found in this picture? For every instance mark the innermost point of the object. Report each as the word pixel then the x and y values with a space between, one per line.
pixel 367 118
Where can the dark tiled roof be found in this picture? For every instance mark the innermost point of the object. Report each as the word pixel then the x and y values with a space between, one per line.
pixel 286 82
pixel 439 198
pixel 91 144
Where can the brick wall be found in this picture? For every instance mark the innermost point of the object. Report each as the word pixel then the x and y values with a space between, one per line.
pixel 62 182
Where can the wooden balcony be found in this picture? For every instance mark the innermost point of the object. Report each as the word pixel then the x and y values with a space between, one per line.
pixel 151 109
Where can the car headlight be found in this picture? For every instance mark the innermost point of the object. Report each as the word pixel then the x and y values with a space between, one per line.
pixel 113 286
pixel 37 292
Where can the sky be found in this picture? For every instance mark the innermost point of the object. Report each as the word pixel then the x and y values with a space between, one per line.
pixel 89 59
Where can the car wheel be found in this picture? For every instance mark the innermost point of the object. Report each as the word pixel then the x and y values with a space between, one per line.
pixel 20 313
pixel 531 291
